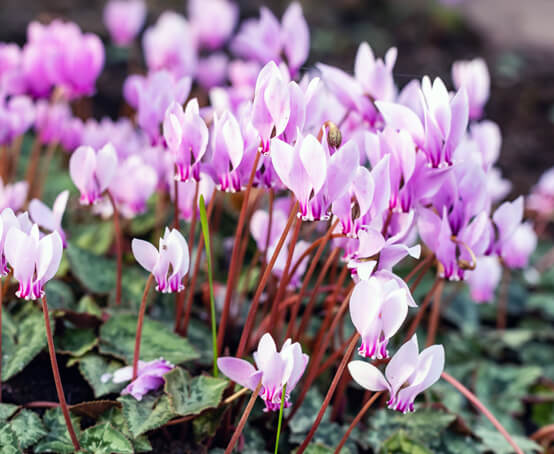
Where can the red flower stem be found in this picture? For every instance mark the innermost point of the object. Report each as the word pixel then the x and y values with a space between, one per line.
pixel 41 404
pixel 243 419
pixel 50 150
pixel 356 420
pixel 435 315
pixel 418 267
pixel 420 277
pixel 118 248
pixel 502 307
pixel 284 277
pixel 320 349
pixel 234 257
pixel 140 322
pixel 421 310
pixel 307 278
pixel 1 309
pixel 192 286
pixel 56 373
pixel 16 151
pixel 481 407
pixel 338 400
pixel 32 165
pixel 4 162
pixel 329 394
pixel 176 201
pixel 181 295
pixel 269 225
pixel 311 303
pixel 246 331
pixel 332 358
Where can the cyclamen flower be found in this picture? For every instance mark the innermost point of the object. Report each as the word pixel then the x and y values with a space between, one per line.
pixel 92 172
pixel 212 21
pixel 169 264
pixel 407 374
pixel 484 279
pixel 8 220
pixel 16 116
pixel 264 39
pixel 124 19
pixel 378 307
pixel 149 377
pixel 34 260
pixel 50 219
pixel 186 135
pixel 304 168
pixel 541 199
pixel 274 369
pixel 13 195
pixel 169 44
pixel 474 76
pixel 187 190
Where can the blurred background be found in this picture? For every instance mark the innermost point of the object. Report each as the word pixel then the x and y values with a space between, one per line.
pixel 515 38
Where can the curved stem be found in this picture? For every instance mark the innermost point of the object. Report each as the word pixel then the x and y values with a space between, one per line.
pixel 421 310
pixel 419 266
pixel 285 276
pixel 1 309
pixel 246 331
pixel 235 256
pixel 435 315
pixel 479 405
pixel 357 419
pixel 243 419
pixel 329 395
pixel 294 312
pixel 56 373
pixel 118 247
pixel 310 306
pixel 140 322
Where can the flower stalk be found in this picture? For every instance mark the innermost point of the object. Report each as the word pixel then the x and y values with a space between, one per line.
pixel 57 379
pixel 118 248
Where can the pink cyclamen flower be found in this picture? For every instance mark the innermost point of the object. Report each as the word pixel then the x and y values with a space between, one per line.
pixel 124 19
pixel 407 374
pixel 484 279
pixel 50 219
pixel 34 260
pixel 474 76
pixel 169 264
pixel 274 369
pixel 375 75
pixel 149 377
pixel 378 307
pixel 169 44
pixel 8 220
pixel 92 171
pixel 186 135
pixel 541 199
pixel 13 195
pixel 187 190
pixel 517 250
pixel 212 21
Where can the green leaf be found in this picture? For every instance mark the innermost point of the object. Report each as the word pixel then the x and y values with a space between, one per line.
pixel 307 413
pixel 57 437
pixel 206 424
pixel 495 442
pixel 76 341
pixel 115 417
pixel 501 388
pixel 95 237
pixel 147 414
pixel 399 443
pixel 96 273
pixel 59 295
pixel 20 348
pixel 87 305
pixel 543 303
pixel 191 396
pixel 206 235
pixel 93 367
pixel 8 440
pixel 6 410
pixel 28 428
pixel 104 439
pixel 117 338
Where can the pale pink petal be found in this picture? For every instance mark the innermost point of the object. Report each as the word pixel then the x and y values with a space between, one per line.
pixel 367 376
pixel 145 253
